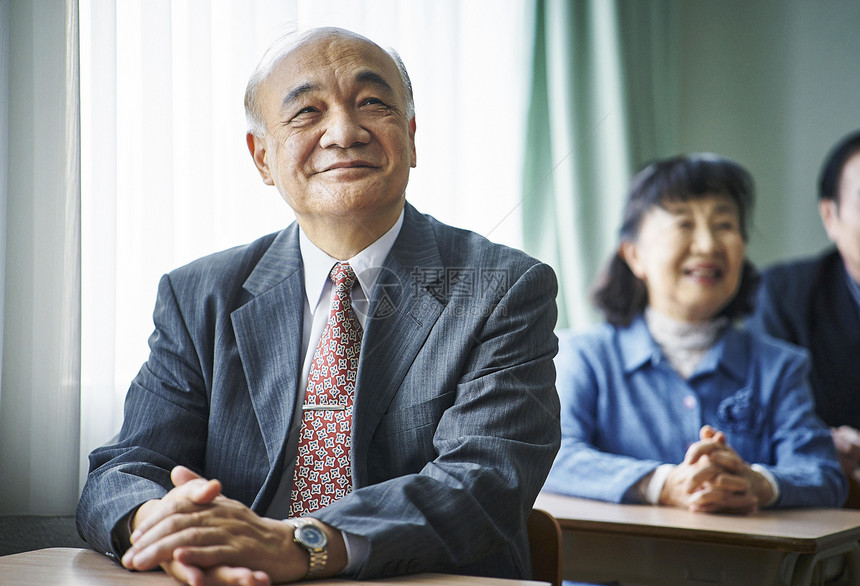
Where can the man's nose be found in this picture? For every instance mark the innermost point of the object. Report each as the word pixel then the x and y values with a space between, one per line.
pixel 343 129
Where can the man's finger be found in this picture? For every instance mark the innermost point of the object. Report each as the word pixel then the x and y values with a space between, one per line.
pixel 183 573
pixel 216 575
pixel 206 492
pixel 160 544
pixel 183 499
pixel 180 475
pixel 203 492
pixel 229 576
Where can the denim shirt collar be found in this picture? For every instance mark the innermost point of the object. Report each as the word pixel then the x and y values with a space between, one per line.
pixel 729 354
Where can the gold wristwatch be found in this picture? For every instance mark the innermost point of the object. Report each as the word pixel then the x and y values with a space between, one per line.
pixel 310 537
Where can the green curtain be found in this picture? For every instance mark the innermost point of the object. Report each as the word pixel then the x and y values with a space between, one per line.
pixel 603 102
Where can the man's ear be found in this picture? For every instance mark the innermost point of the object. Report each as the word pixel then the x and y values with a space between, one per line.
pixel 829 215
pixel 257 146
pixel 412 142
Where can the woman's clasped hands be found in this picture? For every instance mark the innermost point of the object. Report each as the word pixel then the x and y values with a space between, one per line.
pixel 714 479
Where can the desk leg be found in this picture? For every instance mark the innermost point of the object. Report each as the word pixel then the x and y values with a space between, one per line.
pixel 827 564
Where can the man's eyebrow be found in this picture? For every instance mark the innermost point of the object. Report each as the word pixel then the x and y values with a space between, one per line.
pixel 297 92
pixel 366 76
pixel 373 78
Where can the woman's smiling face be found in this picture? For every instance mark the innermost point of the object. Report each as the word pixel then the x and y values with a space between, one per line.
pixel 690 255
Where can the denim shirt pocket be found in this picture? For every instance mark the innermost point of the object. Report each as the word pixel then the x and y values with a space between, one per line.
pixel 739 414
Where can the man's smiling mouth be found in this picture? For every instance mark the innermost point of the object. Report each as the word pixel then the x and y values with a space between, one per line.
pixel 345 165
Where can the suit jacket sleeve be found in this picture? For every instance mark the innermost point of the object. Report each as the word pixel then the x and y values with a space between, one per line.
pixel 164 398
pixel 192 403
pixel 805 462
pixel 581 468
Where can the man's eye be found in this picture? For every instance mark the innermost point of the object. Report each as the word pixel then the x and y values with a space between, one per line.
pixel 373 102
pixel 304 115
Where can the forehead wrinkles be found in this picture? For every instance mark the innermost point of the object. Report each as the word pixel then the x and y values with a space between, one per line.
pixel 336 63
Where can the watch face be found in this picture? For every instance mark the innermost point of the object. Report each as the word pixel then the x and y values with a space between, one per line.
pixel 311 536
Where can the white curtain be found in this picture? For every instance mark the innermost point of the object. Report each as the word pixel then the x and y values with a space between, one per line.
pixel 40 252
pixel 166 175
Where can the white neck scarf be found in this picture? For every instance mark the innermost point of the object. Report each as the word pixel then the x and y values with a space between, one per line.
pixel 684 344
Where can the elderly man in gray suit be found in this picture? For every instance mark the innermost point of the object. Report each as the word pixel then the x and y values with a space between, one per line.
pixel 367 393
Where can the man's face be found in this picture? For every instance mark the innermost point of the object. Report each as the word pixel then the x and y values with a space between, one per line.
pixel 338 141
pixel 842 222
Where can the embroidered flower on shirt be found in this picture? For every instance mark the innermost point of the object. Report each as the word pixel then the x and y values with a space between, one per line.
pixel 738 412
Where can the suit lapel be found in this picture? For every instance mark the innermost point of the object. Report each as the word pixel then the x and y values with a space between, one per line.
pixel 402 312
pixel 268 334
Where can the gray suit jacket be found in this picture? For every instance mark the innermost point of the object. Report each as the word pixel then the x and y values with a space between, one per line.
pixel 456 418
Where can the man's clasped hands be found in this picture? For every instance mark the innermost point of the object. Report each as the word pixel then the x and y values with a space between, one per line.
pixel 199 536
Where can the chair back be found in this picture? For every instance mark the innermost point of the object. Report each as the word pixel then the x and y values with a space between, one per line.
pixel 545 547
pixel 853 501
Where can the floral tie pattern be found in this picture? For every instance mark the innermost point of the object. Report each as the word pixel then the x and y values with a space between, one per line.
pixel 322 473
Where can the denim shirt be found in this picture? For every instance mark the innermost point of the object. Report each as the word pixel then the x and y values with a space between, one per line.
pixel 625 411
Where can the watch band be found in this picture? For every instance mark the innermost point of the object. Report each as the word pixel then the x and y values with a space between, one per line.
pixel 318 559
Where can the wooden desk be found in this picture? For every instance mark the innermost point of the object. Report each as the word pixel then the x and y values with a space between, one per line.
pixel 663 545
pixel 61 566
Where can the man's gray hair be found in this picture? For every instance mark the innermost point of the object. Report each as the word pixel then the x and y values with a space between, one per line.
pixel 281 48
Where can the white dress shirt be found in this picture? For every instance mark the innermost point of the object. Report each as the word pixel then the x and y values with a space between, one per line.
pixel 319 289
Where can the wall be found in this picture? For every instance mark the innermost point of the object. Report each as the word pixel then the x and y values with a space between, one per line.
pixel 39 402
pixel 773 84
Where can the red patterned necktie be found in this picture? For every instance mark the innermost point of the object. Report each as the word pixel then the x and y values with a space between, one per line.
pixel 322 472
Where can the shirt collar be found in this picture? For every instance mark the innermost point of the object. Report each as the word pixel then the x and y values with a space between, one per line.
pixel 366 264
pixel 730 352
pixel 637 344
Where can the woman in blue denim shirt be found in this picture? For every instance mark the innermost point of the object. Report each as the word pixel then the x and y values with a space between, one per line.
pixel 668 402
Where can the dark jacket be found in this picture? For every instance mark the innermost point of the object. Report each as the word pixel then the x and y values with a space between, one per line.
pixel 808 303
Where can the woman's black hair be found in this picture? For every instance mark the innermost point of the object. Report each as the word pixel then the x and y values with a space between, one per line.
pixel 620 294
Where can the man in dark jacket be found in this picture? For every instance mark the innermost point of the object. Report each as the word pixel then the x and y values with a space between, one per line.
pixel 815 303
